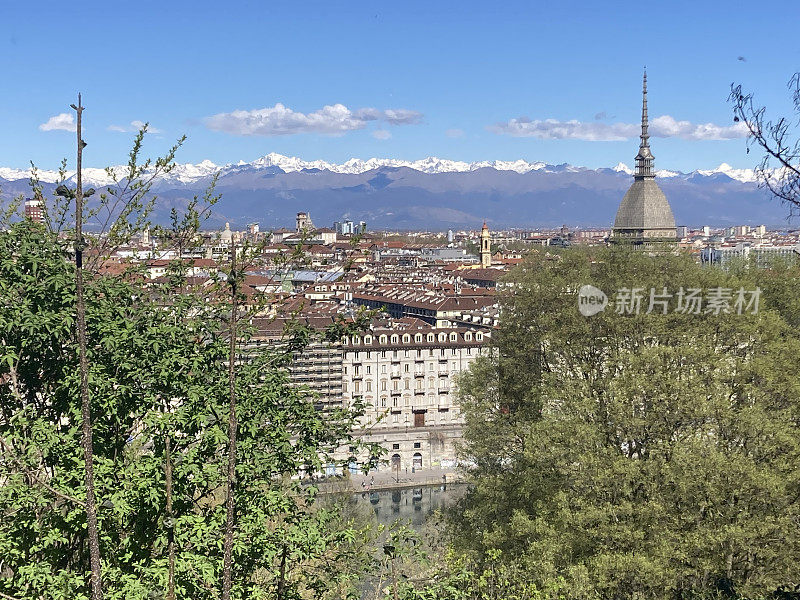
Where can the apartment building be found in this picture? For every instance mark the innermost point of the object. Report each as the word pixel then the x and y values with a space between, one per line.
pixel 405 377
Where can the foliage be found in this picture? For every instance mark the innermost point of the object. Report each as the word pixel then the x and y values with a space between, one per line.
pixel 651 455
pixel 157 359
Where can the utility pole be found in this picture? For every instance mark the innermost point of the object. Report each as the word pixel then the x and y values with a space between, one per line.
pixel 230 501
pixel 86 413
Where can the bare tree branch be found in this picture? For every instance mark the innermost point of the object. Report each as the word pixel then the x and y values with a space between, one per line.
pixel 779 170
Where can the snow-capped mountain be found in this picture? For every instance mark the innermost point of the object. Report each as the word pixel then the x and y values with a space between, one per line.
pixel 188 173
pixel 434 192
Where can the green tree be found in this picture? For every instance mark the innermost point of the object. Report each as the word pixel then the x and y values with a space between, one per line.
pixel 157 358
pixel 623 455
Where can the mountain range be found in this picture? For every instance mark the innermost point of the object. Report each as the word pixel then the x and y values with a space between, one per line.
pixel 435 193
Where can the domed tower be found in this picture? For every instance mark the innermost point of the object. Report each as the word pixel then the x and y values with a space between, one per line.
pixel 227 235
pixel 644 216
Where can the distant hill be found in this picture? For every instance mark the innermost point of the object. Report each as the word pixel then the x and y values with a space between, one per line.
pixel 439 194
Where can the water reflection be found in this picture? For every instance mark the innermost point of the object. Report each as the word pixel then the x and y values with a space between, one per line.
pixel 410 504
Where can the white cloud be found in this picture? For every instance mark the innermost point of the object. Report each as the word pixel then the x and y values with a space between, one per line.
pixel 663 126
pixel 381 134
pixel 60 122
pixel 552 129
pixel 666 126
pixel 454 133
pixel 333 119
pixel 134 126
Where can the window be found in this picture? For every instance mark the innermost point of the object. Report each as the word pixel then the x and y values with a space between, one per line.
pixel 406 338
pixel 383 402
pixel 395 385
pixel 345 371
pixel 369 369
pixel 394 338
pixel 430 337
pixel 407 385
pixel 367 340
pixel 356 340
pixel 479 337
pixel 394 402
pixel 395 446
pixel 369 386
pixel 442 337
pixel 344 386
pixel 356 386
pixel 382 339
pixel 468 336
pixel 383 385
pixel 383 369
pixel 430 366
pixel 417 445
pixel 453 352
pixel 406 368
pixel 453 336
pixel 418 338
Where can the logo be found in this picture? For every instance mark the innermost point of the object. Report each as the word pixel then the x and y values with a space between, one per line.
pixel 591 300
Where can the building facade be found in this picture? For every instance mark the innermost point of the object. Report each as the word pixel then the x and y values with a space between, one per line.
pixel 405 379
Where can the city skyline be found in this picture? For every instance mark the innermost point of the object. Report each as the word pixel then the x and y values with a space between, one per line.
pixel 461 82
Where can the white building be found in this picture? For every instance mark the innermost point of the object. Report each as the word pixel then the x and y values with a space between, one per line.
pixel 406 379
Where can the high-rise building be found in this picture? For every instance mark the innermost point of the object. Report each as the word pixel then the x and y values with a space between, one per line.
pixel 644 216
pixel 33 210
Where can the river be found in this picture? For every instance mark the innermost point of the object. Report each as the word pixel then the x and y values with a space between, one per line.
pixel 411 505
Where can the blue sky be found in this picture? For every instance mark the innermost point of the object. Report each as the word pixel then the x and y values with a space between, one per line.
pixel 415 79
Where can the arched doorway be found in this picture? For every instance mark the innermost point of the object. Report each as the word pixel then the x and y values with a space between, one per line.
pixel 417 460
pixel 395 462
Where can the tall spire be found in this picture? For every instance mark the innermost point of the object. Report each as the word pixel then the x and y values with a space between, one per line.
pixel 644 160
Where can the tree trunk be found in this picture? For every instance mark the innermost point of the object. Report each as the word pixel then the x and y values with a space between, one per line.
pixel 86 413
pixel 170 517
pixel 282 575
pixel 230 503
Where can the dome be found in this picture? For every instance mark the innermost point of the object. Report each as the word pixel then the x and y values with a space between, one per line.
pixel 645 208
pixel 227 234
